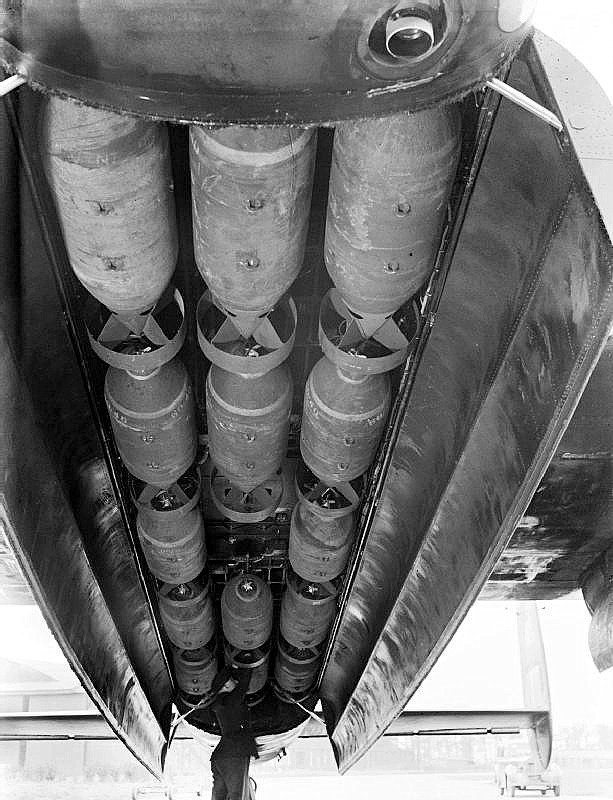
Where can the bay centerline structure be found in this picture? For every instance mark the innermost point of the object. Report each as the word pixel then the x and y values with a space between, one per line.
pixel 294 324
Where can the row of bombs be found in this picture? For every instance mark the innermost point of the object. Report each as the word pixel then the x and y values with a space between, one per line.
pixel 111 180
pixel 251 189
pixel 389 186
pixel 307 610
pixel 390 181
pixel 171 531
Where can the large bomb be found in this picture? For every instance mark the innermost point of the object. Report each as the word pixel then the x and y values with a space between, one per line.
pixel 153 421
pixel 246 619
pixel 255 660
pixel 174 546
pixel 296 668
pixel 390 183
pixel 307 611
pixel 111 180
pixel 186 611
pixel 195 670
pixel 319 543
pixel 343 419
pixel 251 191
pixel 248 422
pixel 246 612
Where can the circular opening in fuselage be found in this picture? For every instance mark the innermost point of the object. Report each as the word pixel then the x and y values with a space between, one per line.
pixel 409 36
pixel 408 33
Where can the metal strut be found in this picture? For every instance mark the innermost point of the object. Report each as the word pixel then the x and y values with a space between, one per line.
pixel 525 102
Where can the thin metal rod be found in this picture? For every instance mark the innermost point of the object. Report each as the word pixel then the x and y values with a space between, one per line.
pixel 525 102
pixel 11 83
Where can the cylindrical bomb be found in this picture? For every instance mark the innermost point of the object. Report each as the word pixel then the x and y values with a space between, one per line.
pixel 174 546
pixel 296 669
pixel 188 699
pixel 251 192
pixel 390 182
pixel 248 423
pixel 195 670
pixel 186 612
pixel 307 611
pixel 255 660
pixel 111 179
pixel 153 421
pixel 246 612
pixel 319 545
pixel 343 419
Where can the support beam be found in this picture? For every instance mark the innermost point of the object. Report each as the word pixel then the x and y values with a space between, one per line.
pixel 90 725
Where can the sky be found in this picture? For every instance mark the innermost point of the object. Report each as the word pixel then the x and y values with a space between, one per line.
pixel 480 667
pixel 584 28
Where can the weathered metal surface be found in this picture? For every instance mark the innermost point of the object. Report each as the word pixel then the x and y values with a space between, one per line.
pixel 14 589
pixel 153 421
pixel 367 343
pixel 138 342
pixel 208 60
pixel 390 183
pixel 110 177
pixel 187 614
pixel 319 545
pixel 256 660
pixel 304 360
pixel 565 527
pixel 246 612
pixel 9 232
pixel 568 522
pixel 526 310
pixel 295 673
pixel 307 611
pixel 195 670
pixel 108 550
pixel 43 533
pixel 596 585
pixel 344 416
pixel 175 548
pixel 130 605
pixel 248 422
pixel 47 362
pixel 249 343
pixel 251 195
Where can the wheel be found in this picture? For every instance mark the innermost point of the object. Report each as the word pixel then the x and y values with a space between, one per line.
pixel 556 790
pixel 501 789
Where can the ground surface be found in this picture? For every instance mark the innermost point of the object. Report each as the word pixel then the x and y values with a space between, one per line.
pixel 577 784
